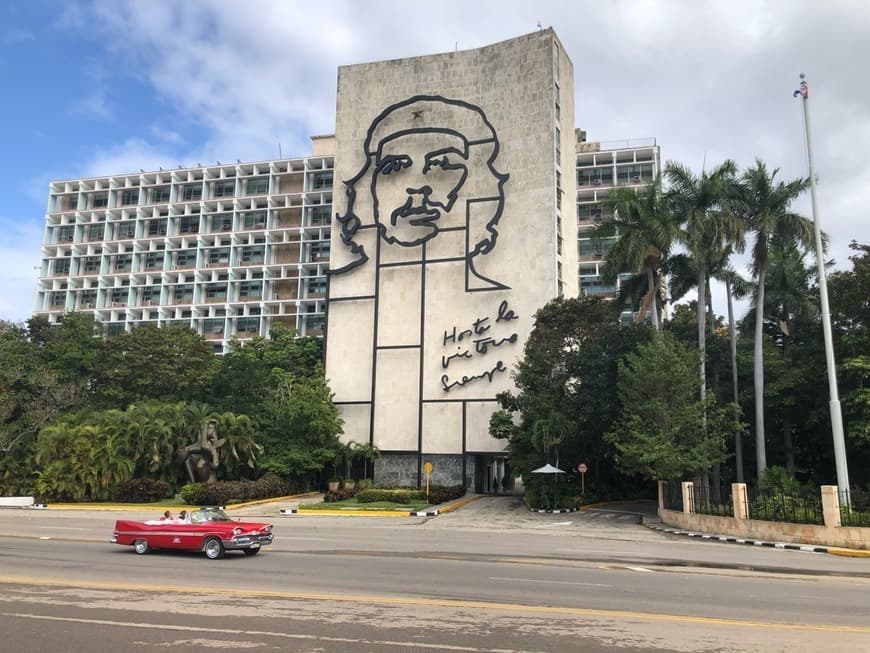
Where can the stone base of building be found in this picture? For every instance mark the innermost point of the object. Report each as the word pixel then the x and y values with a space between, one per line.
pixel 481 473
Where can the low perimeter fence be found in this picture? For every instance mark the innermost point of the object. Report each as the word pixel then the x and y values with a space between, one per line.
pixel 707 499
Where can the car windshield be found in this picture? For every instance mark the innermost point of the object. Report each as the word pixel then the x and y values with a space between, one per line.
pixel 208 514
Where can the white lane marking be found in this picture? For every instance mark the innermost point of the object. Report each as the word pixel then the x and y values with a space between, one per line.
pixel 558 523
pixel 45 537
pixel 552 582
pixel 227 631
pixel 641 569
pixel 65 528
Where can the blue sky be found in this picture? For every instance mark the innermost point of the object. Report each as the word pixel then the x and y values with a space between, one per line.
pixel 112 86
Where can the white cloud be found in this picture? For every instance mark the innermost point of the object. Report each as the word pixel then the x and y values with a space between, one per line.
pixel 20 253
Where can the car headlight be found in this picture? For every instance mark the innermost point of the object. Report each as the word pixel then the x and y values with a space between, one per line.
pixel 237 530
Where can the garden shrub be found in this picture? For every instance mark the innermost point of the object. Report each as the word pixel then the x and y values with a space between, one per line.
pixel 194 494
pixel 380 494
pixel 444 493
pixel 140 490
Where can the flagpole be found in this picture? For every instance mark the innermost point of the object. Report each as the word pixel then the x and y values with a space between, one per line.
pixel 834 398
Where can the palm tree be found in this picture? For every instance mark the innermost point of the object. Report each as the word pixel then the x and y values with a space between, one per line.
pixel 683 276
pixel 787 301
pixel 736 287
pixel 766 205
pixel 704 206
pixel 644 233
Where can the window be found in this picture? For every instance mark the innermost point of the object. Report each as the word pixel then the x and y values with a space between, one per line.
pixel 257 186
pixel 314 323
pixel 94 232
pixel 114 328
pixel 320 251
pixel 213 326
pixel 160 195
pixel 192 192
pixel 130 196
pixel 92 265
pixel 225 188
pixel 100 200
pixel 248 325
pixel 157 227
pixel 126 229
pixel 89 298
pixel 317 286
pixel 587 212
pixel 222 222
pixel 154 261
pixel 119 296
pixel 254 220
pixel 250 289
pixel 216 291
pixel 61 266
pixel 253 254
pixel 319 215
pixel 219 256
pixel 151 295
pixel 183 294
pixel 595 176
pixel 65 234
pixel 57 298
pixel 189 224
pixel 186 258
pixel 123 262
pixel 321 180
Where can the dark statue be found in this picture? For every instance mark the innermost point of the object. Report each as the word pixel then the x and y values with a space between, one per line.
pixel 201 458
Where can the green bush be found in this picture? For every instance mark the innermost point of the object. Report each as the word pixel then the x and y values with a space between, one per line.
pixel 194 494
pixel 379 494
pixel 140 490
pixel 338 495
pixel 223 492
pixel 444 493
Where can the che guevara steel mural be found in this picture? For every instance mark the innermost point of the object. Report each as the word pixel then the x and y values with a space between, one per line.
pixel 427 203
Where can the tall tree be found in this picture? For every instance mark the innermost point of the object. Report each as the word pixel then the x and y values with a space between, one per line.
pixel 167 364
pixel 659 434
pixel 705 208
pixel 644 233
pixel 766 206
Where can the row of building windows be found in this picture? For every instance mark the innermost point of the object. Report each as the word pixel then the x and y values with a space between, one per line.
pixel 185 224
pixel 189 192
pixel 623 174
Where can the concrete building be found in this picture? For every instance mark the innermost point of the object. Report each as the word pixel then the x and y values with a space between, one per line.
pixel 224 249
pixel 601 167
pixel 442 209
pixel 451 231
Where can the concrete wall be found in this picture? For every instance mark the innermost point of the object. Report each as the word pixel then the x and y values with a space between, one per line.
pixel 445 242
pixel 844 536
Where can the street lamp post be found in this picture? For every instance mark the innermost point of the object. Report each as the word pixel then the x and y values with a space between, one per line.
pixel 834 398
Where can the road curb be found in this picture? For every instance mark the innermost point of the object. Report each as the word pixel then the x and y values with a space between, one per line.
pixel 730 539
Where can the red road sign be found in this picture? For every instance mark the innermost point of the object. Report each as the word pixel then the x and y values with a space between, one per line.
pixel 582 468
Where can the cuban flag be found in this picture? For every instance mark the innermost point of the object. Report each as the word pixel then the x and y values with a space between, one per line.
pixel 803 90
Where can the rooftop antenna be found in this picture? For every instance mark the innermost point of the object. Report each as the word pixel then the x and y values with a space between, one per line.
pixel 540 27
pixel 280 156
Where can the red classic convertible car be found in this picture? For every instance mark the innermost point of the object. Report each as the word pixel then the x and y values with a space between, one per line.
pixel 208 529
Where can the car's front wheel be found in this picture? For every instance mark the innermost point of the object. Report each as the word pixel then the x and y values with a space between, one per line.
pixel 213 548
pixel 141 546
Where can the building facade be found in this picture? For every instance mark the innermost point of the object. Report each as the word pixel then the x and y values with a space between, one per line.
pixel 450 232
pixel 601 167
pixel 228 250
pixel 420 239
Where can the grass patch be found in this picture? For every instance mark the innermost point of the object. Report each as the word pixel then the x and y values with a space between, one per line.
pixel 353 504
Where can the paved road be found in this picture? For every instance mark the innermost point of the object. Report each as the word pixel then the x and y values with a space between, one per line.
pixel 490 576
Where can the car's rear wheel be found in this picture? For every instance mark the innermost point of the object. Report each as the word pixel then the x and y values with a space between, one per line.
pixel 213 548
pixel 251 552
pixel 141 546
